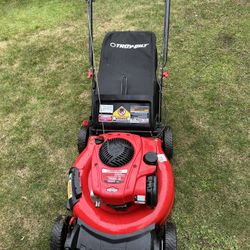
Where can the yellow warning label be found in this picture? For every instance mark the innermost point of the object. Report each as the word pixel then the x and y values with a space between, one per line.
pixel 69 188
pixel 121 115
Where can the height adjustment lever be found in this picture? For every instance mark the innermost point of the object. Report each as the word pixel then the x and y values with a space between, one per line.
pixel 90 73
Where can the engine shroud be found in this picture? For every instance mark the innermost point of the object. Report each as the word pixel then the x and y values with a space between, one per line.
pixel 118 174
pixel 116 152
pixel 113 183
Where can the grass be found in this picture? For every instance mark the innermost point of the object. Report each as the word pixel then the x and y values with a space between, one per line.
pixel 45 95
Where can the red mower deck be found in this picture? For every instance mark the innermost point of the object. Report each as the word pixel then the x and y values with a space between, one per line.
pixel 122 185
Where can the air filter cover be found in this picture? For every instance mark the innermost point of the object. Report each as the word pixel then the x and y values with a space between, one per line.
pixel 116 152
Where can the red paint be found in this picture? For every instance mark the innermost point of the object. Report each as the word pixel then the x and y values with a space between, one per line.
pixel 137 217
pixel 72 220
pixel 90 74
pixel 85 123
pixel 165 74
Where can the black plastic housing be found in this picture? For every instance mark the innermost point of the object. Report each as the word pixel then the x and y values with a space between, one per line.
pixel 127 78
pixel 76 191
pixel 81 236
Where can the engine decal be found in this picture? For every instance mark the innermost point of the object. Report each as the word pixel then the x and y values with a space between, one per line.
pixel 122 171
pixel 114 176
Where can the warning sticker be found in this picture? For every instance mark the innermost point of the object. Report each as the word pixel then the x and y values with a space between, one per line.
pixel 105 118
pixel 106 109
pixel 162 158
pixel 121 115
pixel 139 114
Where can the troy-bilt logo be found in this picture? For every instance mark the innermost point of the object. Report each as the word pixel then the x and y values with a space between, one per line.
pixel 128 46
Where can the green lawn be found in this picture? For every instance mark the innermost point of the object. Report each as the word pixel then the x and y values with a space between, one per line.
pixel 44 96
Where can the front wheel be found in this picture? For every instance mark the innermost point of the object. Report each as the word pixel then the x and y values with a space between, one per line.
pixel 170 237
pixel 59 233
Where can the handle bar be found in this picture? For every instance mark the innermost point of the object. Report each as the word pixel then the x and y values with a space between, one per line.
pixel 166 32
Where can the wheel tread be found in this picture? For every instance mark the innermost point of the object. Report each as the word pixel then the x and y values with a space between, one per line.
pixel 170 239
pixel 58 233
pixel 82 139
pixel 168 143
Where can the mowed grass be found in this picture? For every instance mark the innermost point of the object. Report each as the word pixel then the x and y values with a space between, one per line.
pixel 45 95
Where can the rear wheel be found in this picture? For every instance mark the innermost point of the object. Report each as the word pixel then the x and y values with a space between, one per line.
pixel 82 139
pixel 170 237
pixel 167 146
pixel 59 233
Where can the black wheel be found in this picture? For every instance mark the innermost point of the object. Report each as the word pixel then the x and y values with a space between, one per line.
pixel 170 238
pixel 82 139
pixel 59 233
pixel 167 146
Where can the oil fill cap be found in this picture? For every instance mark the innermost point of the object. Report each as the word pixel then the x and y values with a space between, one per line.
pixel 150 158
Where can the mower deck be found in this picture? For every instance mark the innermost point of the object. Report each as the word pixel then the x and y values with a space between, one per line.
pixel 126 187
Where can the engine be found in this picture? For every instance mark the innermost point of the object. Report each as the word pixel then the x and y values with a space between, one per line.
pixel 123 171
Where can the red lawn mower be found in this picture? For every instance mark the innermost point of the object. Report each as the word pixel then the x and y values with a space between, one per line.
pixel 121 186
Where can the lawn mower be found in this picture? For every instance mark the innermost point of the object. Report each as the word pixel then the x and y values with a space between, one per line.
pixel 121 186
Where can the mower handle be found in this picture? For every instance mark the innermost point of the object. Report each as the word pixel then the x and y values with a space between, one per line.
pixel 90 30
pixel 166 33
